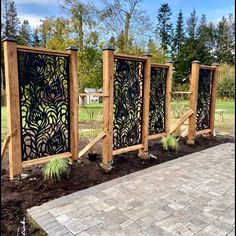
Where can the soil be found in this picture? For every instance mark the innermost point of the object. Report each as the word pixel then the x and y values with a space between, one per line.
pixel 20 194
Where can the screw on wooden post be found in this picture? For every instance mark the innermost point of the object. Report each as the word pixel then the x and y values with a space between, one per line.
pixel 168 96
pixel 193 101
pixel 143 152
pixel 13 108
pixel 108 70
pixel 73 81
pixel 213 97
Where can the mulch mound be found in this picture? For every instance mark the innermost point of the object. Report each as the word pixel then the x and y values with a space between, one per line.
pixel 19 195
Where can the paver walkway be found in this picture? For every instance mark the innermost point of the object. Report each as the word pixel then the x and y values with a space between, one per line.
pixel 191 195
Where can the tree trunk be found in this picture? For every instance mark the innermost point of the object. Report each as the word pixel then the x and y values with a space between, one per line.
pixel 127 24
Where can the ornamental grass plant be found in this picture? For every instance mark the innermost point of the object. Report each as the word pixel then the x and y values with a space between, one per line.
pixel 170 143
pixel 55 169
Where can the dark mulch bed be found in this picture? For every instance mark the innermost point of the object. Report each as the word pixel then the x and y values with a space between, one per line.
pixel 19 195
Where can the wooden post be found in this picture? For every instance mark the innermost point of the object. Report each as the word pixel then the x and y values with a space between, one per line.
pixel 73 86
pixel 193 101
pixel 213 99
pixel 168 96
pixel 13 106
pixel 108 70
pixel 143 152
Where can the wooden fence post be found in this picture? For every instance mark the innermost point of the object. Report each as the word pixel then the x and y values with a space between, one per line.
pixel 73 86
pixel 13 106
pixel 213 98
pixel 143 152
pixel 193 101
pixel 108 71
pixel 168 96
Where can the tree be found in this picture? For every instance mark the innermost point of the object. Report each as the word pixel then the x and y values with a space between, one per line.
pixel 35 38
pixel 157 56
pixel 164 27
pixel 127 24
pixel 224 44
pixel 211 39
pixel 59 34
pixel 45 30
pixel 194 48
pixel 24 37
pixel 10 24
pixel 192 25
pixel 83 22
pixel 179 37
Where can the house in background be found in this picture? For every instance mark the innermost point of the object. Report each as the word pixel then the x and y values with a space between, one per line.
pixel 90 99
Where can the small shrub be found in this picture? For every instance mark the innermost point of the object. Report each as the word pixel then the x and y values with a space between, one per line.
pixel 55 169
pixel 170 143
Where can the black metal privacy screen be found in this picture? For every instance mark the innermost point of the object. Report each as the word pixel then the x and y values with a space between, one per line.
pixel 157 100
pixel 204 99
pixel 128 103
pixel 44 104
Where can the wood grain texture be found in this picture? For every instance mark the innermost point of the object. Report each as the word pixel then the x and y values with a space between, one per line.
pixel 193 102
pixel 73 81
pixel 108 70
pixel 146 104
pixel 13 108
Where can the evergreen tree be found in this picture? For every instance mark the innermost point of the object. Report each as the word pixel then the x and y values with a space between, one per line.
pixel 211 39
pixel 164 27
pixel 10 21
pixel 36 40
pixel 192 25
pixel 13 20
pixel 24 37
pixel 224 45
pixel 179 37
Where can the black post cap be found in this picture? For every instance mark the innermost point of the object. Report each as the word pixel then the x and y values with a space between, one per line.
pixel 9 39
pixel 169 61
pixel 72 48
pixel 108 47
pixel 196 62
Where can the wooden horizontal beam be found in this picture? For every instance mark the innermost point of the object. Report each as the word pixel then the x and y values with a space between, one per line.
pixel 43 51
pixel 204 131
pixel 159 65
pixel 207 67
pixel 4 146
pixel 91 144
pixel 181 120
pixel 129 57
pixel 91 94
pixel 181 92
pixel 43 160
pixel 127 149
pixel 156 136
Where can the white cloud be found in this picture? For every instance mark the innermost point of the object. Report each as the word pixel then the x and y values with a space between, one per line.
pixel 34 20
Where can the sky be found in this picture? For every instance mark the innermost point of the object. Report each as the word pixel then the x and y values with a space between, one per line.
pixel 34 10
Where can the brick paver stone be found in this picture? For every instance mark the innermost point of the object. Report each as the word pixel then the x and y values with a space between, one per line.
pixel 191 195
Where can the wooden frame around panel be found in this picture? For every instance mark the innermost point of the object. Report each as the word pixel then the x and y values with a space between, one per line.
pixel 13 105
pixel 196 66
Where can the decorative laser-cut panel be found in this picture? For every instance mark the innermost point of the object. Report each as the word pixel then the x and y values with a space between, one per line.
pixel 128 103
pixel 157 100
pixel 44 104
pixel 204 99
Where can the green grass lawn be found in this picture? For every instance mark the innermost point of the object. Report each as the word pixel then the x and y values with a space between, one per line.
pixel 93 112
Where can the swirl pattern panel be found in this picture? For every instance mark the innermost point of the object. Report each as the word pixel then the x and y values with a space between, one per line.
pixel 128 103
pixel 157 100
pixel 44 104
pixel 204 99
